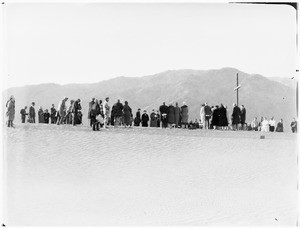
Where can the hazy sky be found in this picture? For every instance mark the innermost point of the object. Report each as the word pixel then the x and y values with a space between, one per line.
pixel 76 43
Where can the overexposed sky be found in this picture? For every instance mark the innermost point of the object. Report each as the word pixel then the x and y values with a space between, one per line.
pixel 84 43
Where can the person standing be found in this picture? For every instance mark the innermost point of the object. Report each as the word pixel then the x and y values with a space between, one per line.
pixel 158 118
pixel 294 125
pixel 118 113
pixel 145 119
pixel 254 124
pixel 184 115
pixel 94 112
pixel 53 114
pixel 89 111
pixel 153 119
pixel 10 112
pixel 23 114
pixel 163 113
pixel 177 115
pixel 69 115
pixel 137 119
pixel 127 114
pixel 279 127
pixel 235 117
pixel 32 113
pixel 41 115
pixel 223 122
pixel 75 110
pixel 62 111
pixel 101 117
pixel 215 117
pixel 46 116
pixel 243 116
pixel 272 124
pixel 171 116
pixel 202 115
pixel 208 113
pixel 106 109
pixel 265 127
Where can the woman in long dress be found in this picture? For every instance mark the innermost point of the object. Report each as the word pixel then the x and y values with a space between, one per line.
pixel 265 127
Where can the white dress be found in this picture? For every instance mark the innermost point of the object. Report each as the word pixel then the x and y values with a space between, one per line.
pixel 265 126
pixel 202 115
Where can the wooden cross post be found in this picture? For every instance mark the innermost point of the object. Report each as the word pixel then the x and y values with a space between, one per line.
pixel 237 89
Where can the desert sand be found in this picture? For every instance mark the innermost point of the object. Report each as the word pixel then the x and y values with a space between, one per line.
pixel 65 175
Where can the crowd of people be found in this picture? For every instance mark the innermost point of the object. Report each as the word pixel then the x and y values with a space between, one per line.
pixel 64 114
pixel 102 114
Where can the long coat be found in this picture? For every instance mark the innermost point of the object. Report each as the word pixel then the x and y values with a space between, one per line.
pixel 41 116
pixel 184 114
pixel 202 115
pixel 177 115
pixel 137 119
pixel 127 114
pixel 171 114
pixel 223 117
pixel 90 107
pixel 243 115
pixel 215 117
pixel 10 110
pixel 145 119
pixel 235 117
pixel 106 109
pixel 31 112
pixel 76 108
pixel 62 108
pixel 153 119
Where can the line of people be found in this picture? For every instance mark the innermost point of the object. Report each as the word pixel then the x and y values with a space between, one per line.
pixel 101 114
pixel 65 114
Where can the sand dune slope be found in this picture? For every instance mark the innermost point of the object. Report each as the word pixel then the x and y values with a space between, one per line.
pixel 65 175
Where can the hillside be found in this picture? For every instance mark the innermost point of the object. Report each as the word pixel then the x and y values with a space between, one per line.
pixel 261 96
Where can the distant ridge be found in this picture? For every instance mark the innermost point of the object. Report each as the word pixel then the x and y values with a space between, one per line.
pixel 260 95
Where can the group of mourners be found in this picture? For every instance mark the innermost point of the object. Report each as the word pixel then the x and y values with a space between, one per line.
pixel 65 113
pixel 101 114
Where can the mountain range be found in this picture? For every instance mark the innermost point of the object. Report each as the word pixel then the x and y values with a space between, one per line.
pixel 260 95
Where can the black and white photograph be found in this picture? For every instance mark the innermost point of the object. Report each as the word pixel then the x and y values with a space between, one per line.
pixel 149 113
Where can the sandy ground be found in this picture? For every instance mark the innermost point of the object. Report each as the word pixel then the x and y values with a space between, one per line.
pixel 65 175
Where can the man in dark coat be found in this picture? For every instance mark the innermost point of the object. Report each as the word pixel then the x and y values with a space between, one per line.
pixel 137 119
pixel 163 114
pixel 145 119
pixel 184 115
pixel 243 116
pixel 235 117
pixel 75 109
pixel 46 116
pixel 127 114
pixel 177 115
pixel 53 114
pixel 89 111
pixel 32 113
pixel 223 122
pixel 215 117
pixel 171 116
pixel 208 113
pixel 23 114
pixel 118 113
